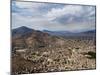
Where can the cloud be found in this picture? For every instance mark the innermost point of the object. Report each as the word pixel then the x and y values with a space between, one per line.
pixel 71 13
pixel 53 17
pixel 28 4
pixel 26 8
pixel 68 9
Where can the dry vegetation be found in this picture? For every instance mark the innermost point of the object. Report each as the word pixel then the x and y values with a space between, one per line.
pixel 69 54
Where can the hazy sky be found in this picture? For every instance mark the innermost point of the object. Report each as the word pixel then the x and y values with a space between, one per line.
pixel 61 17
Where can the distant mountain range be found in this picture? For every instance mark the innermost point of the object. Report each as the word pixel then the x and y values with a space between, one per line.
pixel 67 33
pixel 58 33
pixel 26 31
pixel 91 31
pixel 24 37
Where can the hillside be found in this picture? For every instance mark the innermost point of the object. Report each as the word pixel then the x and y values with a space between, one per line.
pixel 36 51
pixel 24 37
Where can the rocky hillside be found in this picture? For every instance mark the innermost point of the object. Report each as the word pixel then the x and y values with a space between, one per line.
pixel 24 37
pixel 35 51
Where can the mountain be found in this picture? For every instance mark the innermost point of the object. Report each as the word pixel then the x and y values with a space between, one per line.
pixel 24 37
pixel 57 33
pixel 67 33
pixel 21 31
pixel 90 32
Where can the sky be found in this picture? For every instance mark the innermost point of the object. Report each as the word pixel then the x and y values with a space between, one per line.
pixel 53 16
